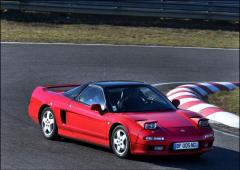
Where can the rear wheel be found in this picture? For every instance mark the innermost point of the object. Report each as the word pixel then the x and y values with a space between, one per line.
pixel 120 142
pixel 48 124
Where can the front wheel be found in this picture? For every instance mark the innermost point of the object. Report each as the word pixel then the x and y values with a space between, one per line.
pixel 120 142
pixel 48 124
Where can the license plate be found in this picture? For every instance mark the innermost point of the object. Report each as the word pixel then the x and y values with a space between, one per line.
pixel 185 145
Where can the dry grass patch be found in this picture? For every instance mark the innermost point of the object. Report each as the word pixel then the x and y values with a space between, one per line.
pixel 84 33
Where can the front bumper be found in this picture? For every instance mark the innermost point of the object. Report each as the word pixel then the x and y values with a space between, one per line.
pixel 148 149
pixel 144 147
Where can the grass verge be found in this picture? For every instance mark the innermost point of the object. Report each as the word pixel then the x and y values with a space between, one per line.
pixel 229 101
pixel 114 34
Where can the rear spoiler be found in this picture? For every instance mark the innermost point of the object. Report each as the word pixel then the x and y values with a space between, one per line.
pixel 59 87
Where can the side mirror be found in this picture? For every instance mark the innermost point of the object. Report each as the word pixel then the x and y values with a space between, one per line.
pixel 176 102
pixel 96 107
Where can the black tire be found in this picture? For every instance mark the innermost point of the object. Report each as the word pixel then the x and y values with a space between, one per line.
pixel 53 131
pixel 122 153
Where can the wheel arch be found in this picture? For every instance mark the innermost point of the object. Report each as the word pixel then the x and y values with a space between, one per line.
pixel 110 132
pixel 112 128
pixel 40 112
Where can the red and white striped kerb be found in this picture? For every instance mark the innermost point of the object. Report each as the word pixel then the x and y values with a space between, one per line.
pixel 191 98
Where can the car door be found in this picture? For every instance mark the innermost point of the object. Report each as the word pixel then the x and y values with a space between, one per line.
pixel 88 124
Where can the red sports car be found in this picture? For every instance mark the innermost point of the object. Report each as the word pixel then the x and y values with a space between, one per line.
pixel 128 117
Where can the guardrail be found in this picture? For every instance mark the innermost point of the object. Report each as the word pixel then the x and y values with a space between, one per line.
pixel 188 9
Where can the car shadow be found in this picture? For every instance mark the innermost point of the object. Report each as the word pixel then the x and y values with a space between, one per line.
pixel 85 144
pixel 218 158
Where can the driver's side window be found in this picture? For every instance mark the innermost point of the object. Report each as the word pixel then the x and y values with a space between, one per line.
pixel 92 95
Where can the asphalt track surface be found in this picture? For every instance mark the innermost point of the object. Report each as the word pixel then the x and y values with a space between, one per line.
pixel 25 66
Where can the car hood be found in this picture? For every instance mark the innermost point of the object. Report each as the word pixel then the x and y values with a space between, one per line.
pixel 170 122
pixel 168 119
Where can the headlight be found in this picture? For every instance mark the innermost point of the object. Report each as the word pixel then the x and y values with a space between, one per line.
pixel 203 123
pixel 150 126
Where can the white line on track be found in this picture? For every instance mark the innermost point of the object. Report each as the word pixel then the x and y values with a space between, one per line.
pixel 177 82
pixel 225 133
pixel 119 45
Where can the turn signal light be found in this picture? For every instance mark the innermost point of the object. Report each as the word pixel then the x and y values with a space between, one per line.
pixel 208 136
pixel 155 138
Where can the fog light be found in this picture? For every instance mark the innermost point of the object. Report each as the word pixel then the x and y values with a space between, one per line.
pixel 158 138
pixel 148 138
pixel 206 145
pixel 158 148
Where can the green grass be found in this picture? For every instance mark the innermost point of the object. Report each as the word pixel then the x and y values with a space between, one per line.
pixel 87 33
pixel 229 101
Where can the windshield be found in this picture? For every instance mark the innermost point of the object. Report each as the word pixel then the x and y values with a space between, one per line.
pixel 137 99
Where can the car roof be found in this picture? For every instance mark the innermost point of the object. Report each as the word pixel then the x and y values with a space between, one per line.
pixel 116 83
